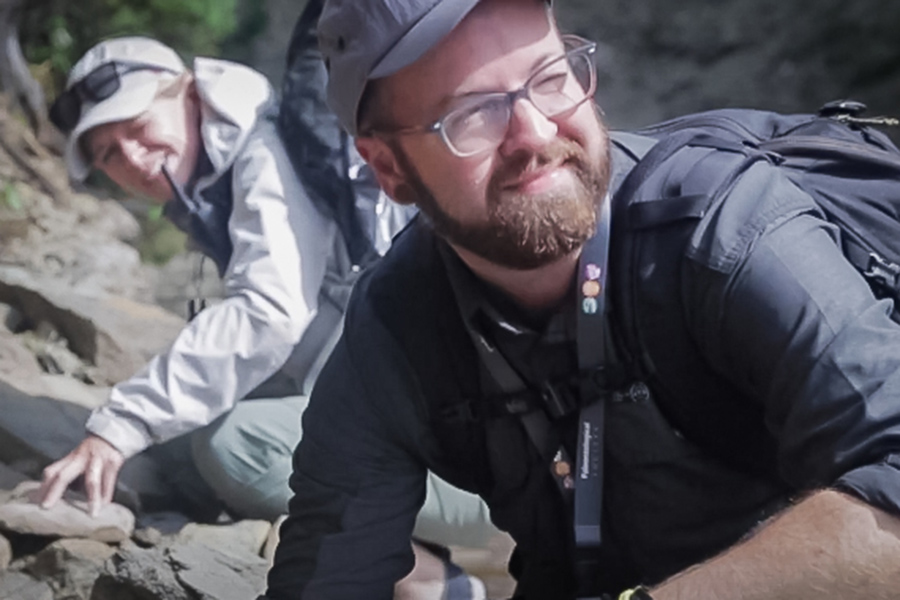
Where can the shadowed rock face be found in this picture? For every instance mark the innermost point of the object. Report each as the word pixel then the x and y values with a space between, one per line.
pixel 660 59
pixel 114 334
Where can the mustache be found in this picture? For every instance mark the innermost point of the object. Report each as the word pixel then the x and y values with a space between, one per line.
pixel 561 151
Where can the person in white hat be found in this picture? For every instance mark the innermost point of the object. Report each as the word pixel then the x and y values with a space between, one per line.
pixel 200 141
pixel 204 142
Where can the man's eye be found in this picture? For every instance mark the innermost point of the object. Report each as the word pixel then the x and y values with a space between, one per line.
pixel 108 155
pixel 480 117
pixel 139 124
pixel 550 83
pixel 470 117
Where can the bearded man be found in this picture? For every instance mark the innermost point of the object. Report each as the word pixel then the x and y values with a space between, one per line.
pixel 469 350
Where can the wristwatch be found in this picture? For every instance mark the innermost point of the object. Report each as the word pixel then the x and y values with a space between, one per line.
pixel 638 593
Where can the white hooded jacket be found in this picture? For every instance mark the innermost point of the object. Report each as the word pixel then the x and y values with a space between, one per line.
pixel 288 262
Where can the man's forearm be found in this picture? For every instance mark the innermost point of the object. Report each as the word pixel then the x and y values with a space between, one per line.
pixel 828 546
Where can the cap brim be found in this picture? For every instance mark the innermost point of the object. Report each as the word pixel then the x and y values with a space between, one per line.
pixel 423 36
pixel 130 101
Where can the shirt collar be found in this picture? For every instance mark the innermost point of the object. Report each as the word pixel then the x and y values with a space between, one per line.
pixel 476 302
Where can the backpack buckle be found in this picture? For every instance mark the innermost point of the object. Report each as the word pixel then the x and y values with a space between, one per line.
pixel 883 272
pixel 558 399
pixel 461 412
pixel 842 109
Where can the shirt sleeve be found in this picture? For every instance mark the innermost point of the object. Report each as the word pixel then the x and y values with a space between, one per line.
pixel 359 479
pixel 794 325
pixel 271 284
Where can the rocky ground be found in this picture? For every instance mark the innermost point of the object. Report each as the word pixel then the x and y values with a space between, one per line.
pixel 79 312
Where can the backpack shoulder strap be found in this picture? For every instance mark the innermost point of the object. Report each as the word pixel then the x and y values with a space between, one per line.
pixel 320 150
pixel 655 212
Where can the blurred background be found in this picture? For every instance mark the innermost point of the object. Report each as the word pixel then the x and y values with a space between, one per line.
pixel 656 59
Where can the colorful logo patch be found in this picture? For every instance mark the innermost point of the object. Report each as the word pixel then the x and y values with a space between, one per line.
pixel 591 289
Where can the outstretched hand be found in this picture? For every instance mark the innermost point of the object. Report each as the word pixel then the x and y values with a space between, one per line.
pixel 94 457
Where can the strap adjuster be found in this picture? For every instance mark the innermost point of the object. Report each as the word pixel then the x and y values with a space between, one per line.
pixel 559 400
pixel 883 272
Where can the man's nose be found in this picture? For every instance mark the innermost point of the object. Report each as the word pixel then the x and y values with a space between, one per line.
pixel 528 128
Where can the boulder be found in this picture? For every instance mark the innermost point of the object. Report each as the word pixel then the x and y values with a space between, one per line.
pixel 67 518
pixel 69 389
pixel 115 335
pixel 10 317
pixel 187 275
pixel 240 538
pixel 180 572
pixel 36 429
pixel 18 364
pixel 167 524
pixel 71 566
pixel 139 574
pixel 215 575
pixel 19 586
pixel 6 554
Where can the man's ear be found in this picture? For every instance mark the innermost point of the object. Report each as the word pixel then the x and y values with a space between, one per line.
pixel 383 161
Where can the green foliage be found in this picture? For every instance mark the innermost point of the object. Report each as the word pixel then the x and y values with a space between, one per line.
pixel 58 32
pixel 161 240
pixel 12 199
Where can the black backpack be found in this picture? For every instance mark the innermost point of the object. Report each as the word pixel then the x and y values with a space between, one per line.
pixel 851 171
pixel 321 152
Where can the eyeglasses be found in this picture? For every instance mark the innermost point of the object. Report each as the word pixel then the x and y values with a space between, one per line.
pixel 480 122
pixel 97 86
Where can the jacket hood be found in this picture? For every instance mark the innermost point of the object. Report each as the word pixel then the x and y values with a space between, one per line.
pixel 233 97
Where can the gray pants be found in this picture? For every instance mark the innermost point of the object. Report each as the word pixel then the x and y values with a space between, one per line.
pixel 243 459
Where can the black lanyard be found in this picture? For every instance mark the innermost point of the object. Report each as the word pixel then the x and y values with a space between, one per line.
pixel 587 478
pixel 592 278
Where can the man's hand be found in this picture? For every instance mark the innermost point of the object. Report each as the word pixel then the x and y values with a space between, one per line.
pixel 98 460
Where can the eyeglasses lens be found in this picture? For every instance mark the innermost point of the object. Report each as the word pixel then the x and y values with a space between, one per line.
pixel 559 87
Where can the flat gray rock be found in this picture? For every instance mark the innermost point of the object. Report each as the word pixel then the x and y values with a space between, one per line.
pixel 19 586
pixel 214 575
pixel 71 566
pixel 69 518
pixel 244 537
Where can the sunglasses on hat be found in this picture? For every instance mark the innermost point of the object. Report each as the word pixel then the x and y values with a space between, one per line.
pixel 97 86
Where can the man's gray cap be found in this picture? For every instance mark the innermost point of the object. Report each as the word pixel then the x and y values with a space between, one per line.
pixel 369 39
